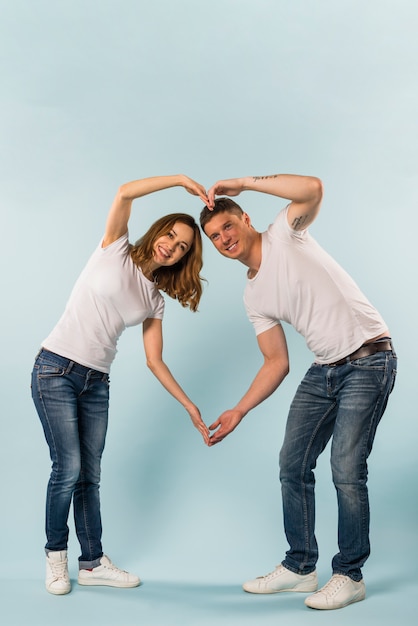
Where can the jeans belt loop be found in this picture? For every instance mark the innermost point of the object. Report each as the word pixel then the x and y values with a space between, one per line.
pixel 69 367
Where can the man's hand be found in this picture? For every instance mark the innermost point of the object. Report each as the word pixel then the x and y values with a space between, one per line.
pixel 225 424
pixel 231 187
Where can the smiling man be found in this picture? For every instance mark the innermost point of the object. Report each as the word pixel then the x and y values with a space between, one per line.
pixel 344 393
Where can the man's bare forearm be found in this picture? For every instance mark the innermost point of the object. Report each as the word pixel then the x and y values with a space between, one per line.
pixel 289 186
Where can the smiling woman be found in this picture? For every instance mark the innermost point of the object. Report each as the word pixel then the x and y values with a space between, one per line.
pixel 170 253
pixel 119 287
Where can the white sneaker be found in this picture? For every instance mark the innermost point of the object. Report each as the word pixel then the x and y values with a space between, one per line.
pixel 57 580
pixel 282 579
pixel 338 592
pixel 107 574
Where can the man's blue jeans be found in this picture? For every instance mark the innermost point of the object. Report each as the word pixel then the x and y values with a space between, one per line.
pixel 72 402
pixel 345 402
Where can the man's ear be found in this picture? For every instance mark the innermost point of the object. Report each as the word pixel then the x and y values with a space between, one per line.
pixel 246 219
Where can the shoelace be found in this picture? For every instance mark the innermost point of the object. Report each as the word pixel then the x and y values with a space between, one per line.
pixel 59 570
pixel 334 584
pixel 114 570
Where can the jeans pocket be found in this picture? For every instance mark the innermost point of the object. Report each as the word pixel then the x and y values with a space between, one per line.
pixel 48 371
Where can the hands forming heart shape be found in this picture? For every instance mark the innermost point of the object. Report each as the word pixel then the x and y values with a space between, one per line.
pixel 229 187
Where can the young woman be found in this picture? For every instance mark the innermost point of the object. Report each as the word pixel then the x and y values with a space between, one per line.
pixel 120 286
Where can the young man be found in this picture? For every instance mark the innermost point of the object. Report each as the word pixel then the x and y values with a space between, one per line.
pixel 344 393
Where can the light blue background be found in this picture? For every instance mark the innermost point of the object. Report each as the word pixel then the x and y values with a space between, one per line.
pixel 96 93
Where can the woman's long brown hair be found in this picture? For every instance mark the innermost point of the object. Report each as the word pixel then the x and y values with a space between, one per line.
pixel 181 281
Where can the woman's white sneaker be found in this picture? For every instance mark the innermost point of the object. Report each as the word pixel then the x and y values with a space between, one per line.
pixel 282 579
pixel 340 591
pixel 57 580
pixel 107 574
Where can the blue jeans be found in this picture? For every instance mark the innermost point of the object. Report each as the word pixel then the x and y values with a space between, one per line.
pixel 72 402
pixel 345 402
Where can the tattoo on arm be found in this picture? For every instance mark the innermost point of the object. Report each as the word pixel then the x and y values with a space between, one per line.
pixel 255 178
pixel 298 222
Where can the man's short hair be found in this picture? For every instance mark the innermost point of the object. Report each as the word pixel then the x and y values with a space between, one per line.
pixel 222 205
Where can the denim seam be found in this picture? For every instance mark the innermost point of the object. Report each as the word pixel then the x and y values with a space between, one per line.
pixel 368 443
pixel 303 482
pixel 53 442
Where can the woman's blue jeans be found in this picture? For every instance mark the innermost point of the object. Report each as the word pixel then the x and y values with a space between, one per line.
pixel 345 402
pixel 72 402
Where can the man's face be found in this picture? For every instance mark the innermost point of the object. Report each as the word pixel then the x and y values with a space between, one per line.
pixel 230 234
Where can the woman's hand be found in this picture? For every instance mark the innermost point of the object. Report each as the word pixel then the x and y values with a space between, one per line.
pixel 153 344
pixel 196 189
pixel 194 413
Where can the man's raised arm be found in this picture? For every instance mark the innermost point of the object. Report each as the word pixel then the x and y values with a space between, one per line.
pixel 304 193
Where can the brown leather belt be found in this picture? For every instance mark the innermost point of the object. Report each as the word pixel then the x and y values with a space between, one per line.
pixel 366 349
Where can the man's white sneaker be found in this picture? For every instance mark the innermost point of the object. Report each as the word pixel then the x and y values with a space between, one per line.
pixel 57 580
pixel 282 579
pixel 338 592
pixel 107 574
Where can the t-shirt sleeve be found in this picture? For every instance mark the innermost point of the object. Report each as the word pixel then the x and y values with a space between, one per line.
pixel 158 312
pixel 119 246
pixel 280 228
pixel 260 322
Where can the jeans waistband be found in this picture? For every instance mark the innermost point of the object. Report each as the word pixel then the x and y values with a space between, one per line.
pixel 384 344
pixel 68 364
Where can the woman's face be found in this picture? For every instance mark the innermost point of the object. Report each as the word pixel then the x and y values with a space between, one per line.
pixel 170 248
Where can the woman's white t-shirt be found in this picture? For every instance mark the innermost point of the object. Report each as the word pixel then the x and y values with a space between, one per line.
pixel 301 284
pixel 110 294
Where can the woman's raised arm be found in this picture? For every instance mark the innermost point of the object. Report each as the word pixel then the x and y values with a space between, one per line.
pixel 120 211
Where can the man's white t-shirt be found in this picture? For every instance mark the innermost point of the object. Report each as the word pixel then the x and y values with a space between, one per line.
pixel 301 284
pixel 110 294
